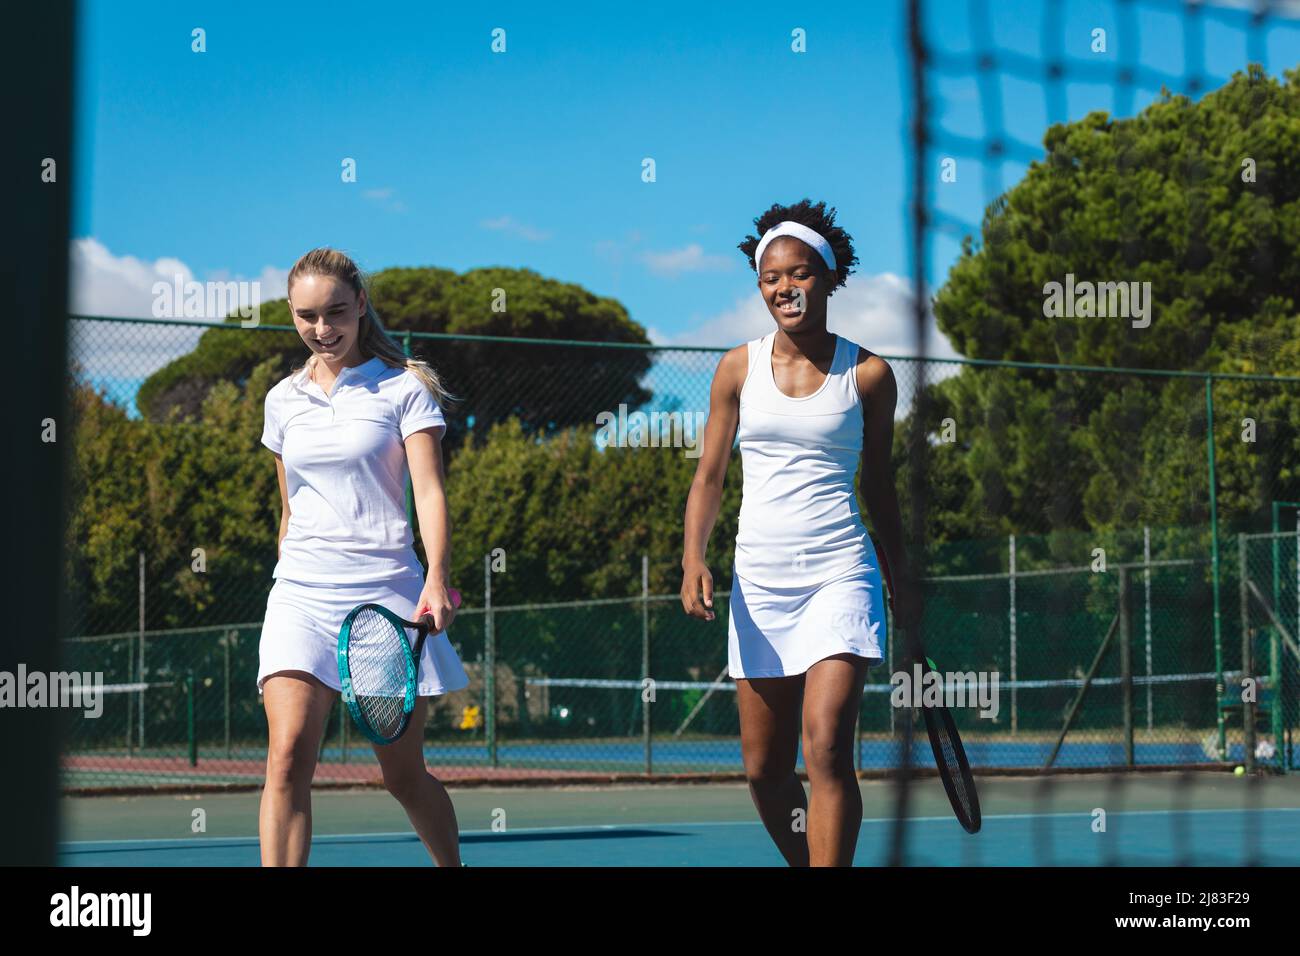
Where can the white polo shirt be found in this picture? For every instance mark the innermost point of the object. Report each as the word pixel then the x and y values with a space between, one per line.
pixel 346 471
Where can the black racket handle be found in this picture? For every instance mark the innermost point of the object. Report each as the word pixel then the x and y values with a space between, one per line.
pixel 422 630
pixel 421 633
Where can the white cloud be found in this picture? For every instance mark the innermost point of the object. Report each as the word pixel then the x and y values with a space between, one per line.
pixel 272 281
pixel 117 357
pixel 873 311
pixel 691 258
pixel 519 230
pixel 101 283
pixel 656 336
pixel 384 197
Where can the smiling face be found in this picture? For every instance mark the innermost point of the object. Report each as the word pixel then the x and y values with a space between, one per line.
pixel 794 282
pixel 327 314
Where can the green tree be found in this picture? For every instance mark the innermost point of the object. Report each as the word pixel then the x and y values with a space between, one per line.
pixel 1166 198
pixel 566 521
pixel 547 388
pixel 166 490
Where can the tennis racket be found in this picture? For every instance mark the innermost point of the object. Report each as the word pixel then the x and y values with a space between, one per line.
pixel 950 757
pixel 379 669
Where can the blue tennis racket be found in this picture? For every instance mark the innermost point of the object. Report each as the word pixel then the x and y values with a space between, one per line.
pixel 379 668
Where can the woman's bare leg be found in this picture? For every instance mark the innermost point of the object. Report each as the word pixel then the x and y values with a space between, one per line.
pixel 769 738
pixel 297 706
pixel 421 795
pixel 832 695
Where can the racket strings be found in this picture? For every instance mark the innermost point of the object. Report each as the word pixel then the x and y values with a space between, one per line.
pixel 954 768
pixel 950 758
pixel 377 654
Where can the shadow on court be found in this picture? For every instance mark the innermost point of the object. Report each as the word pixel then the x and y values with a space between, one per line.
pixel 1167 820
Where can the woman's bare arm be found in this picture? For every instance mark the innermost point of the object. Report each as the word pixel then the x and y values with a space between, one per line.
pixel 879 391
pixel 424 458
pixel 705 497
pixel 284 504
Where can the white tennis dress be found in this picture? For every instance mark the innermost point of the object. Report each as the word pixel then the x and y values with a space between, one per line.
pixel 807 583
pixel 349 541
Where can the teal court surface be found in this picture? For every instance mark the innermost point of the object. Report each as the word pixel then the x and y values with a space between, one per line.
pixel 1210 819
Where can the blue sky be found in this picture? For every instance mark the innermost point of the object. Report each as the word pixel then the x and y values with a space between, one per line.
pixel 226 164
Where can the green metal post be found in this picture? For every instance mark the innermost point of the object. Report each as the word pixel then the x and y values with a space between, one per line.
pixel 1275 525
pixel 489 665
pixel 230 637
pixel 1276 661
pixel 1126 665
pixel 889 653
pixel 1247 661
pixel 130 675
pixel 1146 622
pixel 189 719
pixel 645 660
pixel 1214 563
pixel 1274 650
pixel 1011 629
pixel 140 700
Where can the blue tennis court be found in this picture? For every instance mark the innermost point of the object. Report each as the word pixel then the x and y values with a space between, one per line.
pixel 1220 840
pixel 1169 821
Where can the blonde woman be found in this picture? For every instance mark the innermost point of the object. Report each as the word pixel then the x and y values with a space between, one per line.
pixel 346 429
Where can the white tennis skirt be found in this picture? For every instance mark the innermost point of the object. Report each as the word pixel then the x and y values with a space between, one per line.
pixel 301 632
pixel 781 632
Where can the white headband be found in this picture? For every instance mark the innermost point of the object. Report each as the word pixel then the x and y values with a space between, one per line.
pixel 799 231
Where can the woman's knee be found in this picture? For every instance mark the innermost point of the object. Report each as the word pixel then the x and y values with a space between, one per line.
pixel 765 768
pixel 827 753
pixel 289 763
pixel 404 780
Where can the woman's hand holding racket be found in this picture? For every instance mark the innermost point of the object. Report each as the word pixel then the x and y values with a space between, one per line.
pixel 379 663
pixel 438 604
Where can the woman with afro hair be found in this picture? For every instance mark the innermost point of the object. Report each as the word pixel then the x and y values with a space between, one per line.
pixel 807 615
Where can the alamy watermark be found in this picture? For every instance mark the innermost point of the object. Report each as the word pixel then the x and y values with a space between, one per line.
pixel 74 908
pixel 953 689
pixel 1102 300
pixel 56 689
pixel 655 430
pixel 189 299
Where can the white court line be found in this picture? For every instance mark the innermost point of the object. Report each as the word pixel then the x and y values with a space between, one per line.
pixel 360 837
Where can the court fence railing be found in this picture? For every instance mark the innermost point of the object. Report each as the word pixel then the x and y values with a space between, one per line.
pixel 165 452
pixel 1091 669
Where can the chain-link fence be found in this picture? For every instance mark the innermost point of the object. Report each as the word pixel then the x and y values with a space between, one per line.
pixel 1262 706
pixel 1073 560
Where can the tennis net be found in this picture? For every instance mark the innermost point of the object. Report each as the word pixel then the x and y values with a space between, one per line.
pixel 693 725
pixel 1052 116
